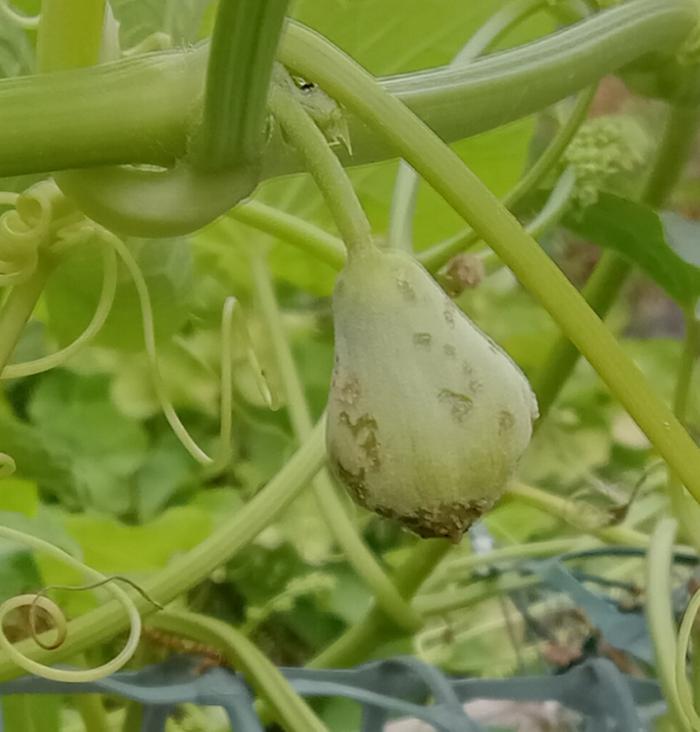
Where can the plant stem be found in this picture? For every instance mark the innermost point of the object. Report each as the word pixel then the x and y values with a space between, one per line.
pixel 546 219
pixel 660 617
pixel 92 712
pixel 324 166
pixel 191 568
pixel 356 551
pixel 600 292
pixel 140 110
pixel 133 719
pixel 242 51
pixel 611 272
pixel 18 308
pixel 70 34
pixel 361 640
pixel 462 598
pixel 686 511
pixel 290 709
pixel 578 514
pixel 293 230
pixel 466 565
pixel 356 89
pixel 555 206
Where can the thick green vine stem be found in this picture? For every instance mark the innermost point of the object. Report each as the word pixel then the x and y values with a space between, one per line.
pixel 341 77
pixel 224 164
pixel 140 110
pixel 188 570
pixel 239 653
pixel 332 508
pixel 659 613
pixel 181 199
pixel 242 50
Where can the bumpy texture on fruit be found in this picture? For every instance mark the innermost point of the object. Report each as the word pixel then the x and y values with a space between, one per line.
pixel 427 417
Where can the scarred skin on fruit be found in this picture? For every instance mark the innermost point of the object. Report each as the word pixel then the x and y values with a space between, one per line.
pixel 427 416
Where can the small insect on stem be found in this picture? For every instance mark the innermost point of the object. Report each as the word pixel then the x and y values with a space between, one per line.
pixel 210 656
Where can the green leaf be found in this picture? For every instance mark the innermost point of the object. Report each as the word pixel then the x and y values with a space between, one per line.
pixel 662 248
pixel 394 36
pixel 111 546
pixel 167 471
pixel 682 235
pixel 48 465
pixel 19 496
pixel 73 291
pixel 76 416
pixel 18 572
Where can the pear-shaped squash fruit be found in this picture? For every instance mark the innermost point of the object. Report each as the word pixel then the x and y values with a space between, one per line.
pixel 427 417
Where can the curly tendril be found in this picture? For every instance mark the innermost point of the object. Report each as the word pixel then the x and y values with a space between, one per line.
pixel 229 321
pixel 42 219
pixel 33 224
pixel 36 602
pixel 102 310
pixel 28 22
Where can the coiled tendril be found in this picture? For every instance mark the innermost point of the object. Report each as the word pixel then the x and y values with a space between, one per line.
pixel 37 601
pixel 42 219
pixel 43 225
pixel 29 22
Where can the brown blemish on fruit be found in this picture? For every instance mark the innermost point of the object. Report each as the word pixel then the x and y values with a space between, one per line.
pixel 406 289
pixel 449 350
pixel 364 431
pixel 347 392
pixel 506 421
pixel 447 520
pixel 423 340
pixel 449 313
pixel 460 404
pixel 354 482
pixel 475 386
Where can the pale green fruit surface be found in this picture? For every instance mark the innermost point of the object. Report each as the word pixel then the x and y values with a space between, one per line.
pixel 427 417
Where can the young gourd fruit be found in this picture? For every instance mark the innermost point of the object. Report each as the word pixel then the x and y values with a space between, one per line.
pixel 427 417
